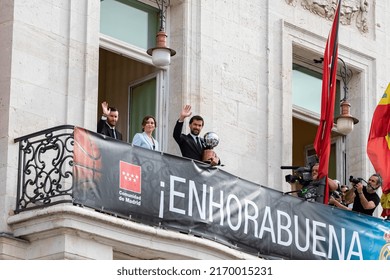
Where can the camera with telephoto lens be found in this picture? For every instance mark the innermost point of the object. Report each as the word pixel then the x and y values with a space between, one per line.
pixel 355 181
pixel 335 195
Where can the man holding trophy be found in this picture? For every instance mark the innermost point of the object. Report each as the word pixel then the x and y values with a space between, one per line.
pixel 192 145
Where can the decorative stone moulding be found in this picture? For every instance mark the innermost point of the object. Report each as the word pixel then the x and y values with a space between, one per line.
pixel 351 10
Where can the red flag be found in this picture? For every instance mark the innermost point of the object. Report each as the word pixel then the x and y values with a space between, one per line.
pixel 378 147
pixel 130 177
pixel 322 140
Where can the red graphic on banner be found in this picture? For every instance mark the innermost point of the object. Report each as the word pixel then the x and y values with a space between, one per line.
pixel 87 159
pixel 130 177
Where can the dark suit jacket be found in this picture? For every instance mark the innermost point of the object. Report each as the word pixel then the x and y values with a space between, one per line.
pixel 103 128
pixel 187 144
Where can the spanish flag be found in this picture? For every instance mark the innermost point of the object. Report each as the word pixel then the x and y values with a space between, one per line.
pixel 323 139
pixel 378 147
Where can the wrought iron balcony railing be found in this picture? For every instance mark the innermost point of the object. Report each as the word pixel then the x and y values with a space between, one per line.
pixel 45 168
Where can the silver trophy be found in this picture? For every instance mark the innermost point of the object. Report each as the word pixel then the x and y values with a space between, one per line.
pixel 211 140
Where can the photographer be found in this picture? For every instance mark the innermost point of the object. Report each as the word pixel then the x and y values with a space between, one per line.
pixel 365 198
pixel 332 184
pixel 309 186
pixel 337 198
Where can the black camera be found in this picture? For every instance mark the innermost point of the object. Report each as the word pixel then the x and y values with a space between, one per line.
pixel 301 175
pixel 355 180
pixel 335 194
pixel 311 189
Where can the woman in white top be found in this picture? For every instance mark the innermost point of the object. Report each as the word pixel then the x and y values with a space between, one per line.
pixel 145 139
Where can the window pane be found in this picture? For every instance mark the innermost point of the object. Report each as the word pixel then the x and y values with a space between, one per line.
pixel 142 103
pixel 307 89
pixel 129 21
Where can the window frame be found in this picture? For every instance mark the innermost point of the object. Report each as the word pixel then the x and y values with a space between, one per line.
pixel 139 54
pixel 311 117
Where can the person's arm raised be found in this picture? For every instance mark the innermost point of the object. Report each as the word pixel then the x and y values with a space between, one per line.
pixel 185 112
pixel 105 109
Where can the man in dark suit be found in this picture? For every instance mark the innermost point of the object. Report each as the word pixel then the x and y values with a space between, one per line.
pixel 107 122
pixel 191 145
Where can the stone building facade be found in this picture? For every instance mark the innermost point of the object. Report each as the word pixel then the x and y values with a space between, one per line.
pixel 234 64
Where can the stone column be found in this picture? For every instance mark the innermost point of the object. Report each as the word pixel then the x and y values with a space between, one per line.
pixel 48 76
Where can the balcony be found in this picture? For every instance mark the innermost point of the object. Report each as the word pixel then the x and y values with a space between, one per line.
pixel 82 195
pixel 48 223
